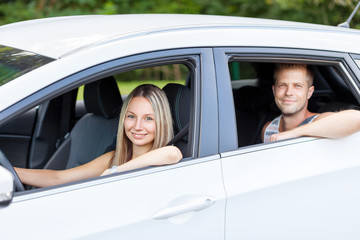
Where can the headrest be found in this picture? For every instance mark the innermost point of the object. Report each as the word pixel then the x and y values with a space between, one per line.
pixel 103 97
pixel 252 98
pixel 265 74
pixel 179 100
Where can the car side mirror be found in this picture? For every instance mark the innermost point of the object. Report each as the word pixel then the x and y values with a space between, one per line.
pixel 6 187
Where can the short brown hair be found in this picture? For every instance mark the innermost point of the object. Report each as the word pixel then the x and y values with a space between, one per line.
pixel 308 68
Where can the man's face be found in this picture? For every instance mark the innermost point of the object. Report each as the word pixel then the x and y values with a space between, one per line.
pixel 291 91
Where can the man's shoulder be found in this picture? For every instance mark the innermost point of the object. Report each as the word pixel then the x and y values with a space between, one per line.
pixel 266 125
pixel 264 129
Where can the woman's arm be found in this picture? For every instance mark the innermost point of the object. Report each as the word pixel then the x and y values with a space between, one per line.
pixel 327 125
pixel 45 178
pixel 161 156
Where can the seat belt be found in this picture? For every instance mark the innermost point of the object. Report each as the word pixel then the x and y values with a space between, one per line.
pixel 67 113
pixel 179 135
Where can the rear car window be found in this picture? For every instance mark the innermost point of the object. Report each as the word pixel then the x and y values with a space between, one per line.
pixel 15 62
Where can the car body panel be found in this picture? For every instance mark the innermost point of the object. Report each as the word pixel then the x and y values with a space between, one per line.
pixel 67 34
pixel 296 196
pixel 6 186
pixel 120 208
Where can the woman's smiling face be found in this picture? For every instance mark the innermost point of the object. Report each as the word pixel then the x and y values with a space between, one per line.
pixel 140 123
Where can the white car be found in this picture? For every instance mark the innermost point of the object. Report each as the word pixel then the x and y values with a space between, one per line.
pixel 229 185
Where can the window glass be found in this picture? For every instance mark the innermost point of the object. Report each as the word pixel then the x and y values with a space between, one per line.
pixel 15 62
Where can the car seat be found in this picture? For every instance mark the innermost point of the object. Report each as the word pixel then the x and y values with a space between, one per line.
pixel 253 108
pixel 179 97
pixel 53 121
pixel 95 131
pixel 335 106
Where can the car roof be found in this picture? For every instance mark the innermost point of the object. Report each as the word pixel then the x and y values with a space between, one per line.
pixel 60 36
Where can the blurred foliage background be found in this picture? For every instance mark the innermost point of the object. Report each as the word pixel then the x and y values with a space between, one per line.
pixel 329 12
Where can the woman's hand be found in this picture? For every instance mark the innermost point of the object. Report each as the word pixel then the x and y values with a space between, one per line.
pixel 158 157
pixel 106 172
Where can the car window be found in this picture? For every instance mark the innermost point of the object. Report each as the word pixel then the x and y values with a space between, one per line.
pixel 87 117
pixel 15 62
pixel 254 102
pixel 161 76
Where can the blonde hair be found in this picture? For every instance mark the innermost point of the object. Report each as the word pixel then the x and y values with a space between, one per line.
pixel 308 68
pixel 163 122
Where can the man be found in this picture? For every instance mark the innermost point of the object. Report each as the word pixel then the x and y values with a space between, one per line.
pixel 292 89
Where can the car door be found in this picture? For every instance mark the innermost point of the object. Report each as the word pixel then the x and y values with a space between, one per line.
pixel 15 137
pixel 302 188
pixel 163 203
pixel 181 201
pixel 29 139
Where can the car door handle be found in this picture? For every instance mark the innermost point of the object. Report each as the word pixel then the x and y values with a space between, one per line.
pixel 196 204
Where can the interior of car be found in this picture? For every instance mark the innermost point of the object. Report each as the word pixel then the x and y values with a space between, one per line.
pixel 254 102
pixel 76 127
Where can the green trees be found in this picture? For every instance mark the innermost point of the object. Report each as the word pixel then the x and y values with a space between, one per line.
pixel 330 12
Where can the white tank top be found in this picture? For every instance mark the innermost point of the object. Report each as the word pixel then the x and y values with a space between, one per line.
pixel 273 127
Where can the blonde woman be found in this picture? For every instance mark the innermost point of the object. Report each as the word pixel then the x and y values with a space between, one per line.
pixel 145 127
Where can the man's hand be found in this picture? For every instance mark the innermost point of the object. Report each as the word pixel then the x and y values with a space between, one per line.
pixel 282 136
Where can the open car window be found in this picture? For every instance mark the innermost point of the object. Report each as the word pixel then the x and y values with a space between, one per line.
pixel 80 125
pixel 254 102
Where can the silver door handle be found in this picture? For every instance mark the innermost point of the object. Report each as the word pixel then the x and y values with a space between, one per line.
pixel 197 204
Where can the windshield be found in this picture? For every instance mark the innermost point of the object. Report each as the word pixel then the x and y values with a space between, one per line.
pixel 15 62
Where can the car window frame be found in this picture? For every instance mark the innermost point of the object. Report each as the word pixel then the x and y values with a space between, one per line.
pixel 204 143
pixel 355 65
pixel 227 117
